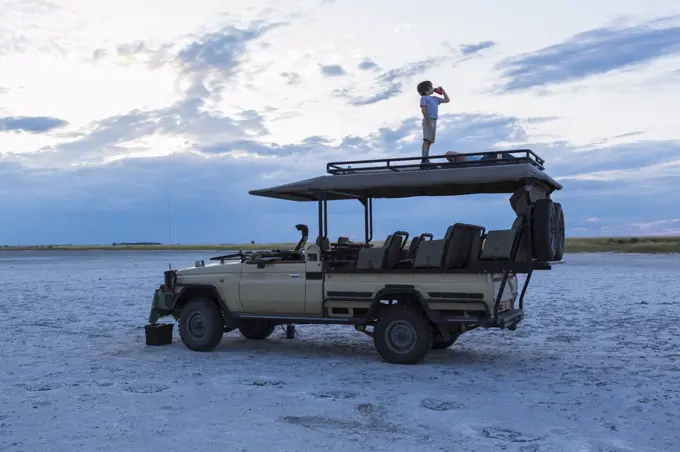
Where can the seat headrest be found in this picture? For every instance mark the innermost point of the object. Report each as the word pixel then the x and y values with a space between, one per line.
pixel 323 243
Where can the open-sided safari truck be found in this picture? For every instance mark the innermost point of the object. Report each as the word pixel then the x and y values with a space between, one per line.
pixel 410 298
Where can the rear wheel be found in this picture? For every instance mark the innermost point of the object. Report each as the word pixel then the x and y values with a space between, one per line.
pixel 544 230
pixel 403 334
pixel 201 325
pixel 256 329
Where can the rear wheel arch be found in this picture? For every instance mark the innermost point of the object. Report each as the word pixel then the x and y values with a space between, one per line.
pixel 404 294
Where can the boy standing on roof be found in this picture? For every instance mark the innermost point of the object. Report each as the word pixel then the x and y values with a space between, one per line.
pixel 429 105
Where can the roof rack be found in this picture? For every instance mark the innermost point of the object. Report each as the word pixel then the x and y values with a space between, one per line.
pixel 396 164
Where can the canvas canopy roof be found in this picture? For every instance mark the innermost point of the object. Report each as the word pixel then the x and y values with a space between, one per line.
pixel 411 182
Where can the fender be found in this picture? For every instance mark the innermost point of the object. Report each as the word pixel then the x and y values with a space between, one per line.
pixel 205 288
pixel 164 302
pixel 400 291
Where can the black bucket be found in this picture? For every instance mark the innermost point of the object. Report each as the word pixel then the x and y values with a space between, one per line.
pixel 158 333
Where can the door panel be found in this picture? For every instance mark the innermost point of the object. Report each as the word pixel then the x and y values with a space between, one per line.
pixel 278 288
pixel 314 289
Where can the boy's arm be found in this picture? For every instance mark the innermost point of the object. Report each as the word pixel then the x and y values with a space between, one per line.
pixel 446 99
pixel 423 107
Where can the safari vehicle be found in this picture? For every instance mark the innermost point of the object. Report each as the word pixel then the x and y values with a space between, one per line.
pixel 409 299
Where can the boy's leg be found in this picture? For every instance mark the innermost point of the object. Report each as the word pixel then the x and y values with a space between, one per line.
pixel 426 151
pixel 429 127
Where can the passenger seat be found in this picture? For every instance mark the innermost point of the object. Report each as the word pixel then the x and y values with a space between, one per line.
pixel 413 249
pixel 408 256
pixel 381 258
pixel 430 254
pixel 464 246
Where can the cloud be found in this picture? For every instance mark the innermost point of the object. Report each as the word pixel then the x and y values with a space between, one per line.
pixel 30 124
pixel 219 50
pixel 210 182
pixel 19 19
pixel 332 70
pixel 186 121
pixel 388 84
pixel 656 224
pixel 615 161
pixel 208 64
pixel 368 64
pixel 126 200
pixel 471 49
pixel 292 78
pixel 211 137
pixel 594 52
pixel 216 56
pixel 651 171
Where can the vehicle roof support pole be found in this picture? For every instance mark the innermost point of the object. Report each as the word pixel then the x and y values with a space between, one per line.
pixel 524 290
pixel 365 203
pixel 320 213
pixel 370 219
pixel 325 214
pixel 513 258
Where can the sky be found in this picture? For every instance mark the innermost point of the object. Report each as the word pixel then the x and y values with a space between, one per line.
pixel 150 120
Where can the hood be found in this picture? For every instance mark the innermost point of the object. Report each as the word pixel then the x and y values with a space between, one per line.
pixel 212 268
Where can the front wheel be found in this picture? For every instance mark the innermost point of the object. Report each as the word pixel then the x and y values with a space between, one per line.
pixel 201 325
pixel 403 334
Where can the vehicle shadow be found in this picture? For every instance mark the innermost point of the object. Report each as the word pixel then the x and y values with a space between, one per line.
pixel 358 349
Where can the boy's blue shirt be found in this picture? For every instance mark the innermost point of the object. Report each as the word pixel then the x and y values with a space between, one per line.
pixel 432 104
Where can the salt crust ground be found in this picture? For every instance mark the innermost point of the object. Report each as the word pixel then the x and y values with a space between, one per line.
pixel 593 368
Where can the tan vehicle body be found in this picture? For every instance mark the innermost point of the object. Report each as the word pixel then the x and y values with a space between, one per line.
pixel 409 298
pixel 283 289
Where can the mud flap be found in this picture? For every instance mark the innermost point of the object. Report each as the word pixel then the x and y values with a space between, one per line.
pixel 161 305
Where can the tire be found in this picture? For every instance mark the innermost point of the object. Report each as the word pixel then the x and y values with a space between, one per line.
pixel 559 213
pixel 403 334
pixel 440 344
pixel 544 230
pixel 201 325
pixel 256 329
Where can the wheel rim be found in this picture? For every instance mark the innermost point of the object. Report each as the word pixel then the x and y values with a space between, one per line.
pixel 401 337
pixel 196 325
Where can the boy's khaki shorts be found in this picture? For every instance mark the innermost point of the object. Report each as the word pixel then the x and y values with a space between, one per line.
pixel 429 129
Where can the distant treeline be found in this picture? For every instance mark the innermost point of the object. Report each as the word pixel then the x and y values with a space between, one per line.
pixel 644 244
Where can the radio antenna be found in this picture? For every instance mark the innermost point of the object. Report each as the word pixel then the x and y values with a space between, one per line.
pixel 167 194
